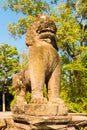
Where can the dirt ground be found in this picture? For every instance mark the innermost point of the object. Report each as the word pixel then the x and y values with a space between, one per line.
pixel 6 114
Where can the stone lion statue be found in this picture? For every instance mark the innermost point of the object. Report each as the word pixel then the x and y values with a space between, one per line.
pixel 44 63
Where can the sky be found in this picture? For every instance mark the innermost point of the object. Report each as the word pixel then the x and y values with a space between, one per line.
pixel 7 17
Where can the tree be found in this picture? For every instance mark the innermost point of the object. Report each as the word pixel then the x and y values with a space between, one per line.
pixel 72 41
pixel 9 62
pixel 71 20
pixel 30 9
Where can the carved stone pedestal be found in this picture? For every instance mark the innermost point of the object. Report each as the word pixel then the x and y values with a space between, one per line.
pixel 42 116
pixel 45 109
pixel 48 109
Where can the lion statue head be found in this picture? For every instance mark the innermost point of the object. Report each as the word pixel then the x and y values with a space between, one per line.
pixel 42 29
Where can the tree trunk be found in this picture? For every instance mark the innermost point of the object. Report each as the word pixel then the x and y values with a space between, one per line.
pixel 3 102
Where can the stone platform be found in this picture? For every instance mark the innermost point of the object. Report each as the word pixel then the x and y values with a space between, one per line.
pixel 48 116
pixel 43 122
pixel 45 116
pixel 72 121
pixel 45 109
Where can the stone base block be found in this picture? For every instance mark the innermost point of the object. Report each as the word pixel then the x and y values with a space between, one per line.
pixel 45 109
pixel 34 109
pixel 38 109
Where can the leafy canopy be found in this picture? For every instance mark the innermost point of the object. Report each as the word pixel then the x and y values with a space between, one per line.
pixel 9 63
pixel 9 60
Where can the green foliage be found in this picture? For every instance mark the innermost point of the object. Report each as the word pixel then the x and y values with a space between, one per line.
pixel 9 96
pixel 73 55
pixel 9 62
pixel 16 30
pixel 25 6
pixel 79 128
pixel 45 92
pixel 28 97
pixel 13 101
pixel 74 83
pixel 29 8
pixel 23 59
pixel 68 33
pixel 75 101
